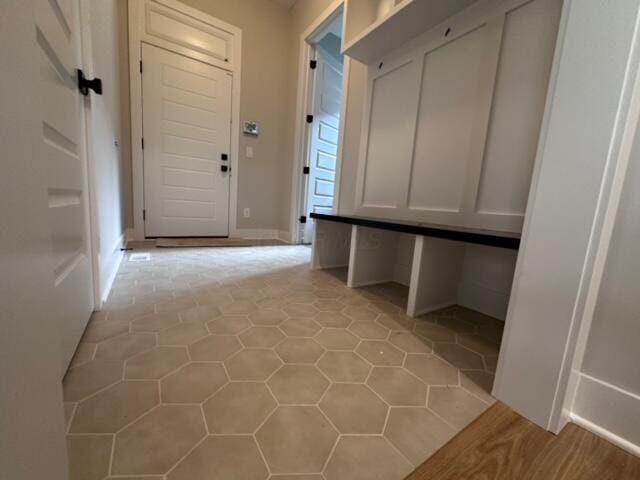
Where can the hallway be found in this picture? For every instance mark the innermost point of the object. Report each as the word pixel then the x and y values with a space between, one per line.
pixel 244 363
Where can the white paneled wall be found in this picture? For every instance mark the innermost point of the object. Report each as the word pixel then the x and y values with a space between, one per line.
pixel 452 119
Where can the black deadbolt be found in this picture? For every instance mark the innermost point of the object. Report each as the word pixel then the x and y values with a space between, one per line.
pixel 223 156
pixel 224 168
pixel 85 84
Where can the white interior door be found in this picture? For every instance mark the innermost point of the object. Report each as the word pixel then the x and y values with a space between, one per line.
pixel 323 146
pixel 62 151
pixel 187 136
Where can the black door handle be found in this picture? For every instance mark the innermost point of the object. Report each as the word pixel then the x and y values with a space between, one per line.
pixel 84 84
pixel 224 168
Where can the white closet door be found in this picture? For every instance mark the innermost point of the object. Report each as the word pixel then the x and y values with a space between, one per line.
pixel 187 135
pixel 62 152
pixel 323 148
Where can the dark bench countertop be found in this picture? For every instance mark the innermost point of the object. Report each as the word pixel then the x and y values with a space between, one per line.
pixel 491 238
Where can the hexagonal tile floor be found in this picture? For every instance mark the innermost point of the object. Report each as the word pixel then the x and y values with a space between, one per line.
pixel 243 363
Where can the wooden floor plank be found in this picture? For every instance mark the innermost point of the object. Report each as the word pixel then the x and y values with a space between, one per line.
pixel 502 445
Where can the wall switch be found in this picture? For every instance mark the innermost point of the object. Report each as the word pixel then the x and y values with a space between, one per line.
pixel 249 153
pixel 247 213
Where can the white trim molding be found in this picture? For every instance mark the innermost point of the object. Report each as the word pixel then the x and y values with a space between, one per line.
pixel 608 411
pixel 227 55
pixel 301 135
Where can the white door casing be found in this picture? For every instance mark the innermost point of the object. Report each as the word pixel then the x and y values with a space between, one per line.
pixel 62 151
pixel 176 27
pixel 187 134
pixel 323 138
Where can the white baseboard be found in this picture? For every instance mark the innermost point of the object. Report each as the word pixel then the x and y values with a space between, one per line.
pixel 255 233
pixel 609 412
pixel 129 235
pixel 285 236
pixel 483 299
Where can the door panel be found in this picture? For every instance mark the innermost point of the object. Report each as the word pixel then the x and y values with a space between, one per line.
pixel 323 147
pixel 61 150
pixel 187 127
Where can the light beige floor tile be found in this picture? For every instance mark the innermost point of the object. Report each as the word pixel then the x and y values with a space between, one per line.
pixel 410 343
pixel 193 383
pixel 125 346
pixel 431 369
pixel 156 363
pixel 459 356
pixel 214 348
pixel 299 350
pixel 455 405
pixel 88 456
pixel 433 332
pixel 337 339
pixel 397 386
pixel 183 334
pixel 300 310
pixel 253 364
pixel 366 458
pixel 115 407
pixel 344 367
pixel 155 322
pixel 154 443
pixel 300 327
pixel 354 409
pixel 369 330
pixel 228 324
pixel 380 353
pixel 329 305
pixel 239 407
pixel 83 353
pixel 417 432
pixel 333 320
pixel 82 381
pixel 202 314
pixel 267 316
pixel 296 477
pixel 396 322
pixel 223 457
pixel 132 312
pixel 298 384
pixel 261 337
pixel 480 383
pixel 238 307
pixel 296 440
pixel 459 326
pixel 69 409
pixel 102 330
pixel 361 313
pixel 478 344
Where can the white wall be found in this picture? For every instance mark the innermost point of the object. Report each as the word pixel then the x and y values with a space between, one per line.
pixel 32 442
pixel 589 101
pixel 608 393
pixel 106 136
pixel 486 278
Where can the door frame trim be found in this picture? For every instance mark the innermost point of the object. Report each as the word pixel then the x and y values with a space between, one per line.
pixel 137 35
pixel 304 101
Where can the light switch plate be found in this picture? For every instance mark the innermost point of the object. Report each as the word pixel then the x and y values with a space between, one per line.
pixel 251 128
pixel 249 153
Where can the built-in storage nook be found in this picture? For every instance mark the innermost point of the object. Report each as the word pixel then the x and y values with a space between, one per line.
pixel 456 92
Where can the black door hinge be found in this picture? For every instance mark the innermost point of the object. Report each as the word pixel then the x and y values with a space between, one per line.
pixel 309 118
pixel 142 142
pixel 306 170
pixel 313 64
pixel 303 219
pixel 144 214
pixel 140 66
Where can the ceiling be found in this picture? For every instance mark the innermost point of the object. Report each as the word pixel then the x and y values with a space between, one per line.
pixel 285 3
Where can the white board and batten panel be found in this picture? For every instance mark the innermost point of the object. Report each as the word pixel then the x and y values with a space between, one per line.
pixel 452 118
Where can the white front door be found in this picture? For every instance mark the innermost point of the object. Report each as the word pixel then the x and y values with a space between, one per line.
pixel 187 136
pixel 62 152
pixel 323 146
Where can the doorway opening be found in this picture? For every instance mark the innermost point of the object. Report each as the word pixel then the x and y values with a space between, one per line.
pixel 324 87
